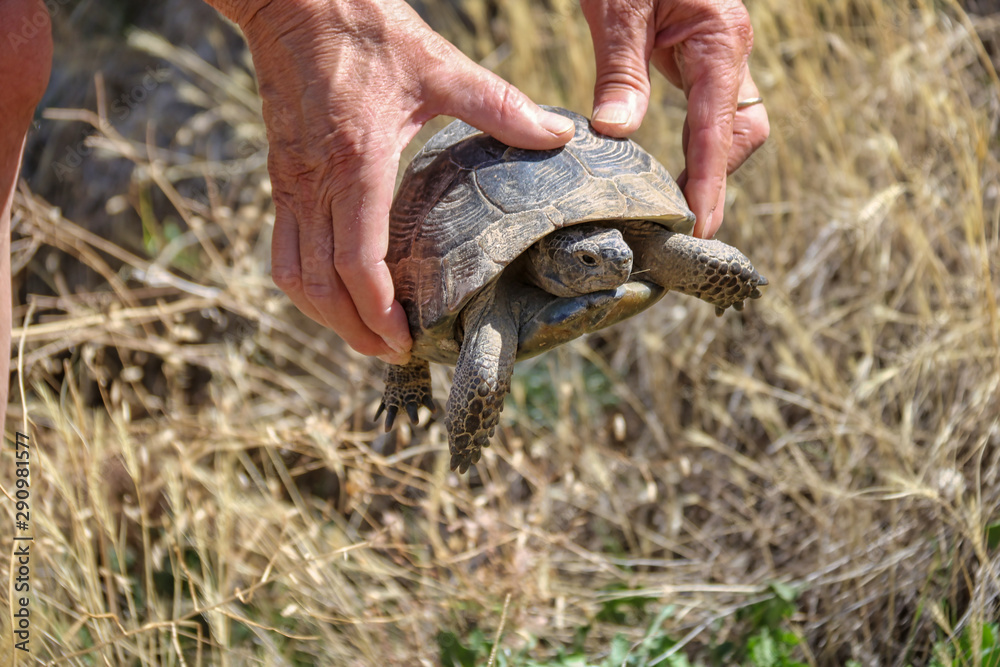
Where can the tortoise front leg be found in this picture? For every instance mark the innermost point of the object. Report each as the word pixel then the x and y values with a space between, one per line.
pixel 707 269
pixel 406 387
pixel 482 377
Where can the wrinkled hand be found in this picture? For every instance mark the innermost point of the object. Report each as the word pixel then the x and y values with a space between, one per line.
pixel 702 47
pixel 346 85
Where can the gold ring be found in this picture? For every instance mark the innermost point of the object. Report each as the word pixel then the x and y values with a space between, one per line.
pixel 743 104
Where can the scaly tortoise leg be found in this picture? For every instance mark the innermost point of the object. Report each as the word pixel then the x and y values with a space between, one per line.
pixel 406 387
pixel 482 378
pixel 707 269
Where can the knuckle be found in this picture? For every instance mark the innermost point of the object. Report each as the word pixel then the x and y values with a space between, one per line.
pixel 350 261
pixel 724 26
pixel 287 278
pixel 736 22
pixel 316 290
pixel 507 101
pixel 620 26
pixel 623 73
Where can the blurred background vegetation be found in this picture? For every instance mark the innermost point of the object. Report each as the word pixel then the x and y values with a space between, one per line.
pixel 815 480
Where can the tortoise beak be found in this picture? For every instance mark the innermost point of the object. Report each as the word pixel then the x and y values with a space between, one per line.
pixel 622 260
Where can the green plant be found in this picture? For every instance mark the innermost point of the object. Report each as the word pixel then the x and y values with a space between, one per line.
pixel 968 651
pixel 769 642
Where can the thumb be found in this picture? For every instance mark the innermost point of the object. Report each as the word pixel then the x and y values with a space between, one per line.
pixel 487 102
pixel 623 41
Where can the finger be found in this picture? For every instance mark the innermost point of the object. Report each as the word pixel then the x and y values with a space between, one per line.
pixel 623 40
pixel 359 211
pixel 750 127
pixel 285 265
pixel 318 294
pixel 709 128
pixel 715 221
pixel 708 59
pixel 463 89
pixel 712 84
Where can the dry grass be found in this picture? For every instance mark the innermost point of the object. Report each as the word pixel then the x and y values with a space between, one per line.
pixel 209 488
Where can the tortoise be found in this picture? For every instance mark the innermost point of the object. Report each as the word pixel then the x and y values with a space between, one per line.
pixel 499 254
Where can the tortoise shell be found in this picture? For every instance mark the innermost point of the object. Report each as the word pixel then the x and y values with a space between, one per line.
pixel 468 205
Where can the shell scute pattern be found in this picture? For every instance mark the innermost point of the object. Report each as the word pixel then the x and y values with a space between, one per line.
pixel 527 179
pixel 468 205
pixel 496 240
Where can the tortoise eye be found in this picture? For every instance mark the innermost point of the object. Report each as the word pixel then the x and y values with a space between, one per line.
pixel 588 259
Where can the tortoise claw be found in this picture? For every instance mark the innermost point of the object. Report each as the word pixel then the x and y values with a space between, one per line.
pixel 738 305
pixel 466 453
pixel 390 415
pixel 462 461
pixel 407 387
pixel 719 311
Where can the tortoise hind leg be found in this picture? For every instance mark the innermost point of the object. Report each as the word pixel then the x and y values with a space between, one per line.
pixel 482 378
pixel 406 387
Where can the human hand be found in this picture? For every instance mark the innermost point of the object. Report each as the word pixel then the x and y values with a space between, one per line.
pixel 346 85
pixel 702 47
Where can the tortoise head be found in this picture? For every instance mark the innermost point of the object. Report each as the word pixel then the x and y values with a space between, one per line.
pixel 579 259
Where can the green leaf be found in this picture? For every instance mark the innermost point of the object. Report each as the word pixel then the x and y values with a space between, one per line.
pixel 663 615
pixel 784 591
pixel 620 647
pixel 763 651
pixel 624 610
pixel 993 535
pixel 789 638
pixel 990 632
pixel 453 653
pixel 580 639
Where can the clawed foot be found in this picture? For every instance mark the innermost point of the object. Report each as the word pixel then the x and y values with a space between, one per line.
pixel 406 387
pixel 750 289
pixel 472 419
pixel 468 449
pixel 469 432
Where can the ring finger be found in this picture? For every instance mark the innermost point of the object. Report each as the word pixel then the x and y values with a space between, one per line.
pixel 750 126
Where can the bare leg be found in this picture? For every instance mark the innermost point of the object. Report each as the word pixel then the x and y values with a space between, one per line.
pixel 25 61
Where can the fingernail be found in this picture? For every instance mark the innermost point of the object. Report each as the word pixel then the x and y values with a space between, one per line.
pixel 556 124
pixel 397 358
pixel 613 113
pixel 396 346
